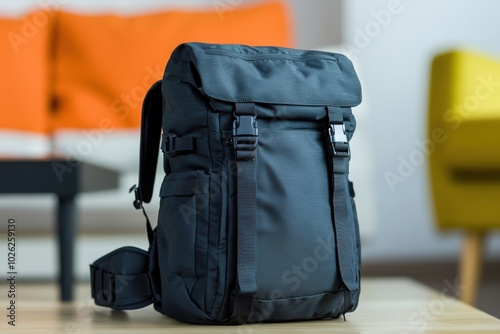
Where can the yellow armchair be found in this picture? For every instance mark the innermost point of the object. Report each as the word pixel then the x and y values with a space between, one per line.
pixel 464 124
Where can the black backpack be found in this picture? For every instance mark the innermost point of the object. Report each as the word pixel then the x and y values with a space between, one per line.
pixel 257 220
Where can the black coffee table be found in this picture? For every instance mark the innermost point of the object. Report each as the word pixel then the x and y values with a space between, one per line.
pixel 66 179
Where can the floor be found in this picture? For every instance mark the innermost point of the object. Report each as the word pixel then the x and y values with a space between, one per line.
pixel 388 305
pixel 441 276
pixel 438 275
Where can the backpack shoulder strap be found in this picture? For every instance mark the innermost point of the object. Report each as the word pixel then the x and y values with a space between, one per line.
pixel 152 111
pixel 150 142
pixel 123 279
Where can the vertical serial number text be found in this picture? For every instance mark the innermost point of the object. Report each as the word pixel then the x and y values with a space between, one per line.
pixel 11 271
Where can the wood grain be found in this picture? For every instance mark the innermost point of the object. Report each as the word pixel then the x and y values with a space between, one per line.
pixel 471 264
pixel 386 306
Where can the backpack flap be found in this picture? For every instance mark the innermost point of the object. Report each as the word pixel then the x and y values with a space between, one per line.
pixel 271 75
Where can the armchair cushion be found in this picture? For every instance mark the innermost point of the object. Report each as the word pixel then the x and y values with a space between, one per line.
pixel 469 85
pixel 474 147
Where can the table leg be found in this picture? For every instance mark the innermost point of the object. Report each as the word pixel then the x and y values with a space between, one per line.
pixel 66 235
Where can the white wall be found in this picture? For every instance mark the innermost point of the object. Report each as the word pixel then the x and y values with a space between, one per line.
pixel 395 62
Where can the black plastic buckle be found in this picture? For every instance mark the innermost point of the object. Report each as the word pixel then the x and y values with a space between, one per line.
pixel 102 286
pixel 168 144
pixel 336 133
pixel 137 202
pixel 245 131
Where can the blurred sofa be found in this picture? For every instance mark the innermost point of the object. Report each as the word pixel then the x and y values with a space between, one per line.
pixel 72 84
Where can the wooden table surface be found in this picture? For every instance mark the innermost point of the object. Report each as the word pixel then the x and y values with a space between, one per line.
pixel 394 305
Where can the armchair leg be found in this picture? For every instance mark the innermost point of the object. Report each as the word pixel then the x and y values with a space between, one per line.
pixel 470 265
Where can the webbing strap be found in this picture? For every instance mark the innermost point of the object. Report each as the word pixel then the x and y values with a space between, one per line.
pixel 340 189
pixel 121 280
pixel 172 145
pixel 245 139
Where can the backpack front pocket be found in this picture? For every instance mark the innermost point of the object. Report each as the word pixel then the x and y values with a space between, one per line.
pixel 182 220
